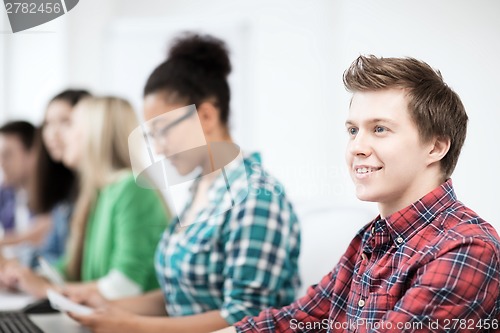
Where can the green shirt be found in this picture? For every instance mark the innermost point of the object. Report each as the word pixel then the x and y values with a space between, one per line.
pixel 122 233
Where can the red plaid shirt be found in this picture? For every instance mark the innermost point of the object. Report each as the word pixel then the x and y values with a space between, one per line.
pixel 431 267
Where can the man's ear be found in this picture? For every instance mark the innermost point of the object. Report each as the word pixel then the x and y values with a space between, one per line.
pixel 209 117
pixel 439 148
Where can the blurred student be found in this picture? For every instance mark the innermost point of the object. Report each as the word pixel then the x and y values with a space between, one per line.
pixel 53 187
pixel 427 260
pixel 115 225
pixel 16 163
pixel 214 269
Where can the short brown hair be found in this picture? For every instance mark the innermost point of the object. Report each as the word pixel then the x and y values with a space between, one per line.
pixel 434 107
pixel 23 130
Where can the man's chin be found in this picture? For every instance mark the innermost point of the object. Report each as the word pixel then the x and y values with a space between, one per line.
pixel 363 194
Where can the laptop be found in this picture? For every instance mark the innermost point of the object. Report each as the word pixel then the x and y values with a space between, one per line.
pixel 57 323
pixel 20 313
pixel 19 322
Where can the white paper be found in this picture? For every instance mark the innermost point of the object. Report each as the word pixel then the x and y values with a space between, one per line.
pixel 50 273
pixel 10 301
pixel 62 303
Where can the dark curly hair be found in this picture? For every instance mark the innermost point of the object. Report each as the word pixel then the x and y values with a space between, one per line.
pixel 195 71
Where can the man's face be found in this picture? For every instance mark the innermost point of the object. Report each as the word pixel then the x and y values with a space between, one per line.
pixel 385 156
pixel 15 160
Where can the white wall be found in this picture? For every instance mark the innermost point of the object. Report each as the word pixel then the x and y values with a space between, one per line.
pixel 34 69
pixel 294 55
pixel 462 39
pixel 3 30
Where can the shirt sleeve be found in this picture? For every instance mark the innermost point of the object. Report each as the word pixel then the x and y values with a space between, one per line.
pixel 330 293
pixel 456 291
pixel 139 221
pixel 53 247
pixel 116 285
pixel 261 247
pixel 50 249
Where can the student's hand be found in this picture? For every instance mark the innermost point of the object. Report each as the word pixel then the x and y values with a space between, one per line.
pixel 16 276
pixel 86 294
pixel 3 260
pixel 5 280
pixel 8 273
pixel 109 319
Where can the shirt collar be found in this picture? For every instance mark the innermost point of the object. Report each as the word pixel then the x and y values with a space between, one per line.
pixel 405 223
pixel 218 189
pixel 235 180
pixel 233 170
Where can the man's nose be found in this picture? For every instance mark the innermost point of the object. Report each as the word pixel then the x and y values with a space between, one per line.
pixel 360 145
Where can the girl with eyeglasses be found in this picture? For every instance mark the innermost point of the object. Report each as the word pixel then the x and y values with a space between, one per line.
pixel 233 249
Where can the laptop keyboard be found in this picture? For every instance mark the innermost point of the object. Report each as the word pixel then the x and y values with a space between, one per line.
pixel 17 322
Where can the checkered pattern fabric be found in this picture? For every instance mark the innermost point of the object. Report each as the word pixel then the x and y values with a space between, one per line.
pixel 240 261
pixel 431 267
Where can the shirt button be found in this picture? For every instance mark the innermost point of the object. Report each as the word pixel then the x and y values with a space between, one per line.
pixel 361 303
pixel 373 230
pixel 363 256
pixel 400 240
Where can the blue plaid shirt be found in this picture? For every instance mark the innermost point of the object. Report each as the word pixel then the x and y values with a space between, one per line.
pixel 240 261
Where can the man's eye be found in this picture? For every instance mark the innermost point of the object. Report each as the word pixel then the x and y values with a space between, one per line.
pixel 352 130
pixel 379 129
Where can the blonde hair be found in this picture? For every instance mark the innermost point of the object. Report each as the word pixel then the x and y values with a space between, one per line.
pixel 108 122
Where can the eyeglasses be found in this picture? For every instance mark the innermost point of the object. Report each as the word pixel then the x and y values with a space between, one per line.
pixel 162 132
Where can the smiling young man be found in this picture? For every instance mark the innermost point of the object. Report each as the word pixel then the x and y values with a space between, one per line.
pixel 427 263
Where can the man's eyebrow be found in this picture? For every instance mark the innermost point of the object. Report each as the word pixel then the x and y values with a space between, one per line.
pixel 382 120
pixel 372 121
